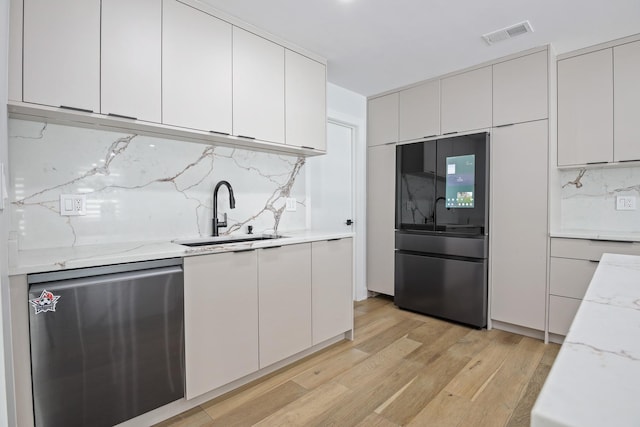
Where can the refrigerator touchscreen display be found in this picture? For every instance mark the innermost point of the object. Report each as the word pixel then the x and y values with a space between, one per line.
pixel 460 182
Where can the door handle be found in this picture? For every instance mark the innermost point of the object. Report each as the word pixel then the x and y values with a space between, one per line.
pixel 348 222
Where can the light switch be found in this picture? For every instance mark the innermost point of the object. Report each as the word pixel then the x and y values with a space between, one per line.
pixel 73 204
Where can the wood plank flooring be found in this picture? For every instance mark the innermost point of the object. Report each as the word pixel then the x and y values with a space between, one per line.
pixel 401 369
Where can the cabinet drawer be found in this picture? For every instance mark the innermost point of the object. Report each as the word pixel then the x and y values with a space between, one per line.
pixel 561 313
pixel 571 277
pixel 591 249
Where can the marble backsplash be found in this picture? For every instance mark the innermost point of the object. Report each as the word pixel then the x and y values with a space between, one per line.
pixel 141 188
pixel 588 199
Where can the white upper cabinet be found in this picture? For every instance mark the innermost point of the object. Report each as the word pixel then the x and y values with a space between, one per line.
pixel 585 109
pixel 626 65
pixel 166 62
pixel 466 101
pixel 196 69
pixel 62 53
pixel 131 58
pixel 258 87
pixel 419 111
pixel 382 120
pixel 305 102
pixel 520 89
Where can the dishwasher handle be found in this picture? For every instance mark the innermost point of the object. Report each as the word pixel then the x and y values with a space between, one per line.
pixel 85 282
pixel 54 276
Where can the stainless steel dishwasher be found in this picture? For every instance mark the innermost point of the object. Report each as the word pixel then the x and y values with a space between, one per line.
pixel 107 343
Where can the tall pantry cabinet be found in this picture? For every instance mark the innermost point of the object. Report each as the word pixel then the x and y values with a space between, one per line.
pixel 382 135
pixel 518 232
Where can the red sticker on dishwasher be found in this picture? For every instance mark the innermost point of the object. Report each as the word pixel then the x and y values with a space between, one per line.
pixel 45 302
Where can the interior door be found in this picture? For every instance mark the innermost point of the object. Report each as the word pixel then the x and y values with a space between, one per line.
pixel 331 182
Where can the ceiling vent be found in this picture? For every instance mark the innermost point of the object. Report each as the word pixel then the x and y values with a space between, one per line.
pixel 507 33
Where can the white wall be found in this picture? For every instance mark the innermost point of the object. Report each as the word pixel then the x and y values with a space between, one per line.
pixel 4 216
pixel 351 108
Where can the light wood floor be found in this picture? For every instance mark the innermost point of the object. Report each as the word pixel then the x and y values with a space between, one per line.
pixel 401 369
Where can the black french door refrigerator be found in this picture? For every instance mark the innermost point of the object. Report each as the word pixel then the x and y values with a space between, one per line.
pixel 442 217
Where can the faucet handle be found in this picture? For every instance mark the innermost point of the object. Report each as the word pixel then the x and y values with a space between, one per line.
pixel 224 219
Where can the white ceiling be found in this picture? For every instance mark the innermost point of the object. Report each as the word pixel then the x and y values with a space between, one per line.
pixel 376 45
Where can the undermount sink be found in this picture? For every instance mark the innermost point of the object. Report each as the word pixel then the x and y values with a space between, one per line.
pixel 208 241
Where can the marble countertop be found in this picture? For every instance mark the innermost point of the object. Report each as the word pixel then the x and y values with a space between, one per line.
pixel 52 259
pixel 595 380
pixel 597 235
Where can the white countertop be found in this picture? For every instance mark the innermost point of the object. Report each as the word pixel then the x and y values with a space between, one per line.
pixel 597 235
pixel 595 380
pixel 52 259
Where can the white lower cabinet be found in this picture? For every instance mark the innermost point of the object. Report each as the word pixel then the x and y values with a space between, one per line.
pixel 573 263
pixel 569 280
pixel 331 288
pixel 562 310
pixel 284 294
pixel 221 319
pixel 249 309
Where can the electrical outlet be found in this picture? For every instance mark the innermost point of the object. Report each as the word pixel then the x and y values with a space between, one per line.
pixel 291 204
pixel 625 203
pixel 73 204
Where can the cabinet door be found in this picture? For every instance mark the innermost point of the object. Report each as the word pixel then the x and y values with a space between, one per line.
pixel 331 288
pixel 305 102
pixel 585 109
pixel 561 313
pixel 258 87
pixel 16 41
pixel 570 277
pixel 382 120
pixel 221 319
pixel 381 178
pixel 62 53
pixel 626 86
pixel 466 101
pixel 131 58
pixel 520 89
pixel 284 301
pixel 519 224
pixel 419 111
pixel 196 69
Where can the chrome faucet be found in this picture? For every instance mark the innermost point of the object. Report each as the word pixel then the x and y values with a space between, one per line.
pixel 232 204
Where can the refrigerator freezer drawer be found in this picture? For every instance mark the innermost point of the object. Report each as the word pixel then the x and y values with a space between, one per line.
pixel 452 289
pixel 468 247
